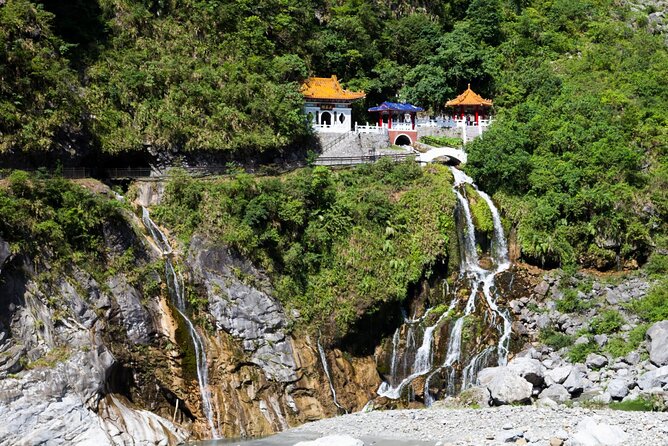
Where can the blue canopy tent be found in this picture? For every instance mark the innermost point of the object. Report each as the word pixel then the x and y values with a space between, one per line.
pixel 390 108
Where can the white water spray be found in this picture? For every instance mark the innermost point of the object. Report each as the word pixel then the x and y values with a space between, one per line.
pixel 480 279
pixel 325 366
pixel 176 290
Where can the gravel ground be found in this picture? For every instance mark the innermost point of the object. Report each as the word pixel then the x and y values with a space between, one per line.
pixel 490 426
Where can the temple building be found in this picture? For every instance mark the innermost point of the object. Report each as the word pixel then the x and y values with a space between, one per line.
pixel 470 108
pixel 328 105
pixel 399 120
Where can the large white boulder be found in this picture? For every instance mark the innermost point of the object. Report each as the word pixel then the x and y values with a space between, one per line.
pixel 591 433
pixel 558 375
pixel 556 392
pixel 618 388
pixel 657 335
pixel 530 369
pixel 505 386
pixel 654 378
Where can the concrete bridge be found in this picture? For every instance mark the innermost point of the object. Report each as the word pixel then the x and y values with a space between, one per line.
pixel 455 156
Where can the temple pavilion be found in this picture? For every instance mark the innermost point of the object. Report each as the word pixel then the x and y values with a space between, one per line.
pixel 328 105
pixel 399 120
pixel 470 108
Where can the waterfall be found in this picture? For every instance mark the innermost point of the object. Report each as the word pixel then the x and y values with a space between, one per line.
pixel 480 280
pixel 325 366
pixel 176 291
pixel 395 350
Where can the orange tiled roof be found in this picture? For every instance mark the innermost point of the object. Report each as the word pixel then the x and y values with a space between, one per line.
pixel 469 97
pixel 328 88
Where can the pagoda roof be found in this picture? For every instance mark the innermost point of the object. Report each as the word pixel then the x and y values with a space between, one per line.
pixel 396 106
pixel 328 88
pixel 469 97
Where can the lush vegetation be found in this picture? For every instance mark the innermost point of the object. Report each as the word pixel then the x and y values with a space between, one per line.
pixel 441 141
pixel 337 244
pixel 54 219
pixel 577 156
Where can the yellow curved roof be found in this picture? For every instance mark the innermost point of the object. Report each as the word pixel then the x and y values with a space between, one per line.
pixel 328 88
pixel 469 97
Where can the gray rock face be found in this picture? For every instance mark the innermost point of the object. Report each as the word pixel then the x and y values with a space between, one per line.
pixel 244 311
pixel 596 361
pixel 590 433
pixel 4 252
pixel 505 386
pixel 618 388
pixel 657 335
pixel 57 406
pixel 529 369
pixel 136 319
pixel 654 378
pixel 556 392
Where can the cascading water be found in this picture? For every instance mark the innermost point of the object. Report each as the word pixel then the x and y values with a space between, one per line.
pixel 325 366
pixel 176 291
pixel 479 280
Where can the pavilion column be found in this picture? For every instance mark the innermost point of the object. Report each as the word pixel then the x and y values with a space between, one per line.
pixel 461 112
pixel 380 120
pixel 412 121
pixel 389 121
pixel 477 117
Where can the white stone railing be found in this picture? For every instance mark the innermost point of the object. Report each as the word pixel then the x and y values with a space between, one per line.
pixel 336 128
pixel 369 128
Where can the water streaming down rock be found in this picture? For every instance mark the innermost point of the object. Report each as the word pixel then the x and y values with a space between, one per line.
pixel 325 366
pixel 176 290
pixel 480 280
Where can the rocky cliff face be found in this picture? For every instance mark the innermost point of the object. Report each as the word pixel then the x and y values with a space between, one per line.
pixel 264 378
pixel 86 360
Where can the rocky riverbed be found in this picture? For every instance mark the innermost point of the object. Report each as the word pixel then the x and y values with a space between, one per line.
pixel 501 425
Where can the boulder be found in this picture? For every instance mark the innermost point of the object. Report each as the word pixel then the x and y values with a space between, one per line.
pixel 576 382
pixel 475 396
pixel 596 361
pixel 505 386
pixel 601 340
pixel 618 388
pixel 556 392
pixel 632 358
pixel 590 433
pixel 332 440
pixel 529 369
pixel 559 374
pixel 542 288
pixel 657 337
pixel 654 378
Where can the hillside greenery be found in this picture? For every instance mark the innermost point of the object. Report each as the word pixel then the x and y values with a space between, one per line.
pixel 336 244
pixel 576 157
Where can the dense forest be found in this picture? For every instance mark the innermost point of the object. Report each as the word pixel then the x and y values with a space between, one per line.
pixel 576 157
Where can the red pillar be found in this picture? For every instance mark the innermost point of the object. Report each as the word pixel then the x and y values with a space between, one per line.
pixel 389 121
pixel 477 117
pixel 413 121
pixel 380 119
pixel 461 111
